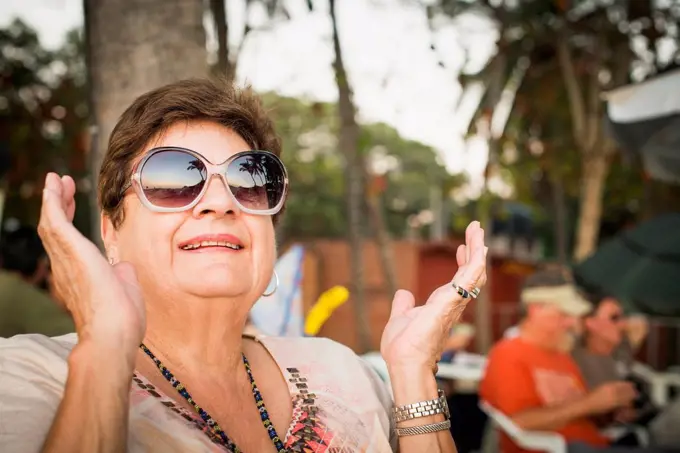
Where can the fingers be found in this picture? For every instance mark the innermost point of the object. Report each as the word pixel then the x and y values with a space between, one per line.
pixel 630 390
pixel 475 269
pixel 403 301
pixel 468 239
pixel 68 196
pixel 55 225
pixel 52 211
pixel 476 240
pixel 461 255
pixel 473 274
pixel 54 184
pixel 471 260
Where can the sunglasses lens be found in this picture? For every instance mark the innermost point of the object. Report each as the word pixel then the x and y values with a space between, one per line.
pixel 257 180
pixel 172 178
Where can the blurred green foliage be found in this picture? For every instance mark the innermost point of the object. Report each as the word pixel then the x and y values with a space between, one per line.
pixel 43 114
pixel 43 120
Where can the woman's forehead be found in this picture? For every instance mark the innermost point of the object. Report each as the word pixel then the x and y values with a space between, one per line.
pixel 213 141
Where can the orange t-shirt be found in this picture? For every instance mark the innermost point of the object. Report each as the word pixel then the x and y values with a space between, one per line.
pixel 520 376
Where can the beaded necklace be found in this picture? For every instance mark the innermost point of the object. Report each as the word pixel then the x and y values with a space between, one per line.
pixel 264 415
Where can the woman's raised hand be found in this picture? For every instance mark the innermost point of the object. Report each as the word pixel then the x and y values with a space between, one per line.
pixel 414 336
pixel 105 301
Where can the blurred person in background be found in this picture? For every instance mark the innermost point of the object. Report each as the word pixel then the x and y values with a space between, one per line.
pixel 636 329
pixel 568 341
pixel 595 354
pixel 513 331
pixel 603 335
pixel 25 306
pixel 190 189
pixel 606 354
pixel 610 341
pixel 532 380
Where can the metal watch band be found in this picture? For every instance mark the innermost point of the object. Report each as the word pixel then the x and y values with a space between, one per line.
pixel 422 409
pixel 424 429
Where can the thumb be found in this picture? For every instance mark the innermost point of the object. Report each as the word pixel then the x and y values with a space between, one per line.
pixel 52 211
pixel 403 301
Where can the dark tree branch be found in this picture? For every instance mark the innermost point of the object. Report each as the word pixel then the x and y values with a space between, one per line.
pixel 218 10
pixel 577 106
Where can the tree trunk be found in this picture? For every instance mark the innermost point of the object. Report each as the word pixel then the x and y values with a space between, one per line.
pixel 4 188
pixel 133 49
pixel 384 241
pixel 585 107
pixel 560 222
pixel 594 171
pixel 483 303
pixel 218 10
pixel 349 146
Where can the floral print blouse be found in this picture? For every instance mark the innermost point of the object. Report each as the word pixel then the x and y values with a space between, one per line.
pixel 340 405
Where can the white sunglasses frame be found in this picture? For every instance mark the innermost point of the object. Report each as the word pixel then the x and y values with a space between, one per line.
pixel 219 170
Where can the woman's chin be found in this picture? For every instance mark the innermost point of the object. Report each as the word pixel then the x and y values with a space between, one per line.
pixel 208 288
pixel 213 282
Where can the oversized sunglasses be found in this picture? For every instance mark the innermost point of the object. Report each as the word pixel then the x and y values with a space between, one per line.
pixel 171 179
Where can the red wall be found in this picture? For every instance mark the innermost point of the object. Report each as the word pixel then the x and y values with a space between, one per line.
pixel 421 268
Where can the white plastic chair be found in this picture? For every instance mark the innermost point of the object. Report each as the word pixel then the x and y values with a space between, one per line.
pixel 659 383
pixel 529 440
pixel 617 432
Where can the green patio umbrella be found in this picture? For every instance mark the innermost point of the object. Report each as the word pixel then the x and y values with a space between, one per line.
pixel 640 267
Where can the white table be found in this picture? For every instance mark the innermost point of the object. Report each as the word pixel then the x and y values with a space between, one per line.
pixel 466 367
pixel 461 371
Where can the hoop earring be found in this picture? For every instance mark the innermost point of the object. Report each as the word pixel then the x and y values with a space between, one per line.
pixel 111 261
pixel 276 286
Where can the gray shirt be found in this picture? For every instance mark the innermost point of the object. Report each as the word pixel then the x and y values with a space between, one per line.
pixel 597 369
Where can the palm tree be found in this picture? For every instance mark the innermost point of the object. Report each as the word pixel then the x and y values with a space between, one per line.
pixel 349 145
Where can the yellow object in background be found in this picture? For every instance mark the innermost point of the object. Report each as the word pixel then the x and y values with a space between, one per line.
pixel 324 308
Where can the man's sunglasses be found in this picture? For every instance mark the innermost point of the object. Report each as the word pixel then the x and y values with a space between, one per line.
pixel 616 317
pixel 171 179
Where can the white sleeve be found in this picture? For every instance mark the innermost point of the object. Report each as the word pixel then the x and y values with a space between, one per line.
pixel 33 370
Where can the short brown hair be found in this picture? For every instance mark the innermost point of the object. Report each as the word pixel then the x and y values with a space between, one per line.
pixel 154 112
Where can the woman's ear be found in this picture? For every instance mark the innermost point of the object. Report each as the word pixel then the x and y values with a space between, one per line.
pixel 109 236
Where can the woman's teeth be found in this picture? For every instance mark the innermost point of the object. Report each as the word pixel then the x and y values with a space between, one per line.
pixel 199 245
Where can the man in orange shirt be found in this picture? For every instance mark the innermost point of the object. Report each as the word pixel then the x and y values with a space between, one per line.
pixel 534 381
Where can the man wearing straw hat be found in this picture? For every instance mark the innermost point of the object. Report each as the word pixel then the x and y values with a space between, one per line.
pixel 534 381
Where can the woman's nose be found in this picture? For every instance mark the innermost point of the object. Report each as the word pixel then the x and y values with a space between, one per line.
pixel 216 200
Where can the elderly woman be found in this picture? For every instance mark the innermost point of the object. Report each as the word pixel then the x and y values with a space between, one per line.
pixel 190 189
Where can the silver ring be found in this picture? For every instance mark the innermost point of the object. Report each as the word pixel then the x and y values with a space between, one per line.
pixel 460 290
pixel 475 292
